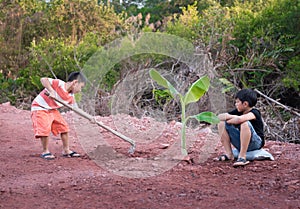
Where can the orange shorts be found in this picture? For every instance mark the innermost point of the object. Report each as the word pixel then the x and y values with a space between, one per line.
pixel 47 121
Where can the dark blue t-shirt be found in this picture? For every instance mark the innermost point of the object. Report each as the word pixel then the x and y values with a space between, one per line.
pixel 257 123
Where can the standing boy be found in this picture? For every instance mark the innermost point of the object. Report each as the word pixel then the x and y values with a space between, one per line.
pixel 241 127
pixel 45 115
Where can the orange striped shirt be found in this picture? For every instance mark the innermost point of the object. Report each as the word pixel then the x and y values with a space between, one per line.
pixel 43 102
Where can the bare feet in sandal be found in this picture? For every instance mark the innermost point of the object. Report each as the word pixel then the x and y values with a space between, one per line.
pixel 47 156
pixel 240 162
pixel 224 158
pixel 71 154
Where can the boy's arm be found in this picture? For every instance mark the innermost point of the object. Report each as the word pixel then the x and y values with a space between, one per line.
pixel 242 118
pixel 235 119
pixel 225 116
pixel 46 83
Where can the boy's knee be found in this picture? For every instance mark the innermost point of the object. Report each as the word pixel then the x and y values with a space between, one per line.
pixel 245 126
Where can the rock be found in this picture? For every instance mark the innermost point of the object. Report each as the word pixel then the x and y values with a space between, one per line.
pixel 163 146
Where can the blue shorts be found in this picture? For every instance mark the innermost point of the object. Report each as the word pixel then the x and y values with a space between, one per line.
pixel 234 134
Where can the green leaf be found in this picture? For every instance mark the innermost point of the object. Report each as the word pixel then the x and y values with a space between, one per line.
pixel 162 96
pixel 173 91
pixel 163 82
pixel 208 117
pixel 197 90
pixel 158 78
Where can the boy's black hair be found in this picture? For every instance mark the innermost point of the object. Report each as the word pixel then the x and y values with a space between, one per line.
pixel 77 76
pixel 247 95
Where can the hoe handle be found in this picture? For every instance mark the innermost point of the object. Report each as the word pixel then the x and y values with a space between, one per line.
pixel 89 117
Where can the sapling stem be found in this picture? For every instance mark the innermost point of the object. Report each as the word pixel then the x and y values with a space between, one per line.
pixel 183 129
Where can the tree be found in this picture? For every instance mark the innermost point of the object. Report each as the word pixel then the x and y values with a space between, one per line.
pixel 39 36
pixel 267 35
pixel 187 24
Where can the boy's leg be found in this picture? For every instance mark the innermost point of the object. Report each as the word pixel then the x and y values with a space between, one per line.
pixel 244 139
pixel 41 120
pixel 59 125
pixel 65 142
pixel 66 148
pixel 45 143
pixel 225 140
pixel 46 153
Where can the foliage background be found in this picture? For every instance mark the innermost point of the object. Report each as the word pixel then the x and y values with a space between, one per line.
pixel 252 43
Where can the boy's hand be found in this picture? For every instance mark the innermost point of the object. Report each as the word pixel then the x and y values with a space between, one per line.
pixel 51 94
pixel 223 117
pixel 50 91
pixel 72 85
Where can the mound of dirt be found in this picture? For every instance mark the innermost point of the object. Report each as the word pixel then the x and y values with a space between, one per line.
pixel 27 181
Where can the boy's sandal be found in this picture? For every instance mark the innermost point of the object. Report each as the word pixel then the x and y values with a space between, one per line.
pixel 72 154
pixel 240 162
pixel 47 156
pixel 223 158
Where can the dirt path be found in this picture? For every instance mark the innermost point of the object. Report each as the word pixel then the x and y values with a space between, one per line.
pixel 27 181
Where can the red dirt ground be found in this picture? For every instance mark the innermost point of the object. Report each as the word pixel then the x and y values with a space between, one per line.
pixel 27 181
